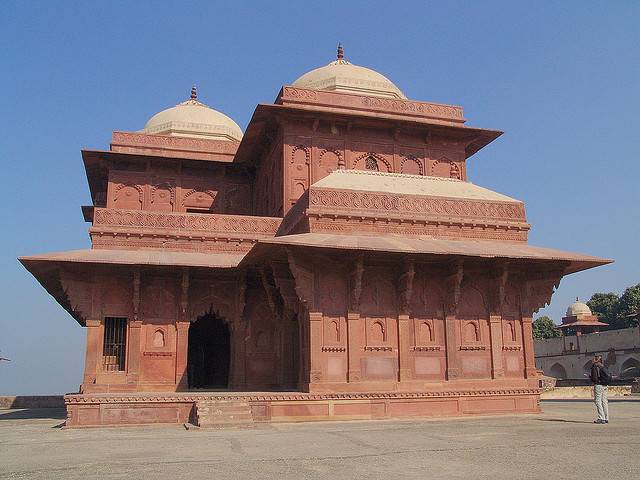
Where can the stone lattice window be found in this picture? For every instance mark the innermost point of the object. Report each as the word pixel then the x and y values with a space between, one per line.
pixel 371 163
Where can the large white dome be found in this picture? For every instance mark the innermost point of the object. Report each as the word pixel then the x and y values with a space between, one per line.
pixel 342 76
pixel 195 120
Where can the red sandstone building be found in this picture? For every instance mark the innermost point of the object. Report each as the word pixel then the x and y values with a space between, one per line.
pixel 332 262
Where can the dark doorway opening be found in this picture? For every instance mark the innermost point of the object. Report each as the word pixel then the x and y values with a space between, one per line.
pixel 209 353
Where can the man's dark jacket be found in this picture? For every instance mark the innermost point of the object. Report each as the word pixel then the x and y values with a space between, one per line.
pixel 596 374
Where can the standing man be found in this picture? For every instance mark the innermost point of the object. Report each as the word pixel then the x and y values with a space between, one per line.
pixel 601 379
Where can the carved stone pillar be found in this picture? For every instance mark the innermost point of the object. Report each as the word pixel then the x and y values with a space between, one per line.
pixel 315 346
pixel 182 349
pixel 405 291
pixel 403 348
pixel 451 334
pixel 453 282
pixel 530 370
pixel 133 350
pixel 495 330
pixel 498 283
pixel 92 352
pixel 354 347
pixel 237 376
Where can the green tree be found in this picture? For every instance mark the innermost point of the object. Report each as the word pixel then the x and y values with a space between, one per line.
pixel 543 327
pixel 628 305
pixel 605 306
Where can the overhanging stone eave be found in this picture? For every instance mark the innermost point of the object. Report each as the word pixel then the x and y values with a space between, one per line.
pixel 519 252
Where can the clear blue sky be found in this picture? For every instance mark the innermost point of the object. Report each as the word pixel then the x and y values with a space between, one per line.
pixel 560 78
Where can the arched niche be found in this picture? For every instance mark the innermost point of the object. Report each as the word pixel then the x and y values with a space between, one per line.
pixel 128 197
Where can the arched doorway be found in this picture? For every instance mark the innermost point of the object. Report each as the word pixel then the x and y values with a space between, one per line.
pixel 209 353
pixel 558 371
pixel 630 368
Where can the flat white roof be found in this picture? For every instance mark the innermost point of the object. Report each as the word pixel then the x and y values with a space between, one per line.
pixel 398 183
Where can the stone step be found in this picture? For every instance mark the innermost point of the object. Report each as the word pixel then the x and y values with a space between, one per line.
pixel 223 413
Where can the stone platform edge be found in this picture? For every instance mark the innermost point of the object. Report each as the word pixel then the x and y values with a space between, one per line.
pixel 85 410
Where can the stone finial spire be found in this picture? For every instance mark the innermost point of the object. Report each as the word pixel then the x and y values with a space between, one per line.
pixel 194 93
pixel 340 55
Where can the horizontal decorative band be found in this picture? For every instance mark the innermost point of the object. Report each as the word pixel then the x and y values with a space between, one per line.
pixel 378 348
pixel 426 348
pixel 334 349
pixel 415 206
pixel 512 347
pixel 187 397
pixel 473 347
pixel 194 222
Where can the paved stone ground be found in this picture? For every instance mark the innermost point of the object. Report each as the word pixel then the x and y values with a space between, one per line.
pixel 562 443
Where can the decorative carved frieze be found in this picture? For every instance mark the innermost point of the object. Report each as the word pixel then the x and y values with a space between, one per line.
pixel 132 139
pixel 177 223
pixel 415 206
pixel 84 399
pixel 426 110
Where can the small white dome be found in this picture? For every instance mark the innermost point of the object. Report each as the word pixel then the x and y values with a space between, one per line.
pixel 195 120
pixel 342 76
pixel 577 309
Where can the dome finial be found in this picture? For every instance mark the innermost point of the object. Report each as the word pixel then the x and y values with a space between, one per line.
pixel 340 55
pixel 194 93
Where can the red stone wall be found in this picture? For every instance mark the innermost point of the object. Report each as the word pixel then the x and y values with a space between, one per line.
pixel 313 149
pixel 205 189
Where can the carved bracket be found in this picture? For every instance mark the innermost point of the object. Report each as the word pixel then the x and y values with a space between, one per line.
pixel 303 280
pixel 537 292
pixel 499 277
pixel 271 291
pixel 184 293
pixel 405 284
pixel 286 285
pixel 452 283
pixel 356 282
pixel 136 293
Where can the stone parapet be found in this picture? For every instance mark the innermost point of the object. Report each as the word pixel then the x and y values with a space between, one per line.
pixel 115 228
pixel 435 112
pixel 174 147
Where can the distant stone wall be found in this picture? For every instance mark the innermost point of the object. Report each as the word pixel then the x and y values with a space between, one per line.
pixel 570 358
pixel 562 393
pixel 32 401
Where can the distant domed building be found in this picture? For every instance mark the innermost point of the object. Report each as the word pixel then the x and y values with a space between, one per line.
pixel 570 356
pixel 332 262
pixel 580 320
